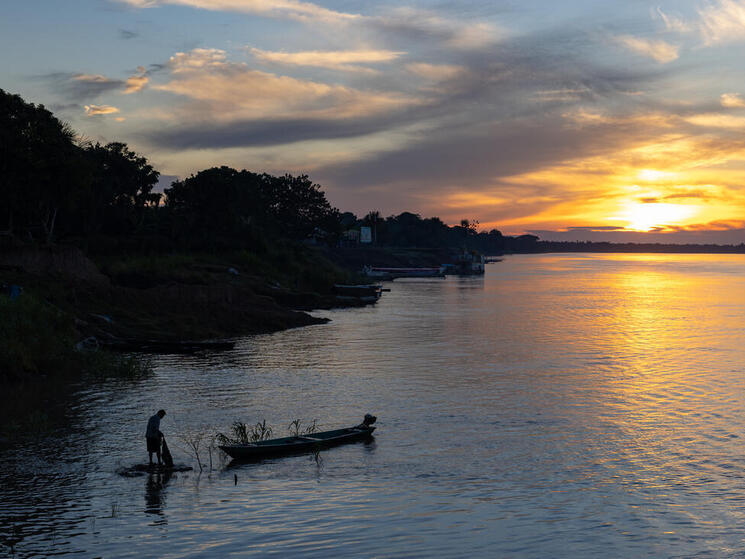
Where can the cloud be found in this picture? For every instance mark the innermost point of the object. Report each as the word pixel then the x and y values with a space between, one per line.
pixel 400 22
pixel 732 100
pixel 216 112
pixel 717 120
pixel 658 50
pixel 722 22
pixel 566 95
pixel 137 82
pixel 63 107
pixel 97 110
pixel 718 22
pixel 197 59
pixel 233 94
pixel 81 87
pixel 425 25
pixel 673 23
pixel 448 115
pixel 291 9
pixel 349 60
pixel 436 72
pixel 694 194
pixel 95 80
pixel 87 87
pixel 483 158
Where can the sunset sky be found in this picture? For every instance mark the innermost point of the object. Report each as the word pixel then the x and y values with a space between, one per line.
pixel 573 119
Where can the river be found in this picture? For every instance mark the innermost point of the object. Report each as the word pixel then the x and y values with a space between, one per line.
pixel 563 405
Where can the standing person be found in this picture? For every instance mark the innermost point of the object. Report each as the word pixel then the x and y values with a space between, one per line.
pixel 153 435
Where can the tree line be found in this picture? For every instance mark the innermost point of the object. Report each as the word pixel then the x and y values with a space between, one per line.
pixel 411 230
pixel 55 186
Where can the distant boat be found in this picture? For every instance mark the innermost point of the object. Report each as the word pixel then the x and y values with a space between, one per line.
pixel 393 273
pixel 298 445
pixel 468 263
pixel 363 294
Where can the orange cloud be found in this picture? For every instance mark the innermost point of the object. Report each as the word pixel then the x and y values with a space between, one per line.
pixel 97 110
pixel 135 84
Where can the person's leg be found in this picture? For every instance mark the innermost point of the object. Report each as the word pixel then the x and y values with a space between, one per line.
pixel 150 456
pixel 158 455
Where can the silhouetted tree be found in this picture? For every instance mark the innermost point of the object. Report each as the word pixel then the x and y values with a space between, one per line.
pixel 121 188
pixel 39 167
pixel 238 203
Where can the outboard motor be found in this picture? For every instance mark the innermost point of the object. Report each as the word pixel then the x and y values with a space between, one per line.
pixel 368 420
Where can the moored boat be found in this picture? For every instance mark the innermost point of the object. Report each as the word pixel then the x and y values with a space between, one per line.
pixel 299 444
pixel 393 273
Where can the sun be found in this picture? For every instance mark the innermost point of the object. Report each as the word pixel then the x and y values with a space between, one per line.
pixel 648 216
pixel 653 175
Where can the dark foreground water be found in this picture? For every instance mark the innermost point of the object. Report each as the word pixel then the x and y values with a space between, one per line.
pixel 562 406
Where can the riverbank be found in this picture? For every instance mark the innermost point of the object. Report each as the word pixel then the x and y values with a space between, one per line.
pixel 67 297
pixel 177 296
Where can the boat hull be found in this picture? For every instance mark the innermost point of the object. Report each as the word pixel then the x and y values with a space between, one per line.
pixel 297 445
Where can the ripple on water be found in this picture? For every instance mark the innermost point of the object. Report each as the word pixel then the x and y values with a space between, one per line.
pixel 562 406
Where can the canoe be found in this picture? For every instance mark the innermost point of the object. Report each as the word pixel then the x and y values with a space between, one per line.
pixel 297 445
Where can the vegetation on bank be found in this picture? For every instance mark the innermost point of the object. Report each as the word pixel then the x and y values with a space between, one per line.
pixel 38 339
pixel 38 361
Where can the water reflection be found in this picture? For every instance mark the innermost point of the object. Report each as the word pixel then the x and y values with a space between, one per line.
pixel 154 497
pixel 563 406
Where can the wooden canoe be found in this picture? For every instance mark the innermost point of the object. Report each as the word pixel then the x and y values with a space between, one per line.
pixel 297 445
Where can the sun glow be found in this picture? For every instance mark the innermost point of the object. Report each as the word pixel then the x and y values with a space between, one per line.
pixel 645 217
pixel 653 175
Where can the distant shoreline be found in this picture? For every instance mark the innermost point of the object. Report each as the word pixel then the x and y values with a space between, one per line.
pixel 607 247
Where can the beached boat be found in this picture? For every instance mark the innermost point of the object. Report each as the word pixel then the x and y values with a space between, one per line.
pixel 299 444
pixel 362 294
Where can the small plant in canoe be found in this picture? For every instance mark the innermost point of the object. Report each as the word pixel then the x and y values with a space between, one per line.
pixel 295 430
pixel 241 433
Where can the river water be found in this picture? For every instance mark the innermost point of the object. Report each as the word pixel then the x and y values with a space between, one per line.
pixel 560 406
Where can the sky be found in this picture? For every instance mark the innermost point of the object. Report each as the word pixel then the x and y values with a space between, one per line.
pixel 573 119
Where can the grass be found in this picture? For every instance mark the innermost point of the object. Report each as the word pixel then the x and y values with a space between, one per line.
pixel 241 433
pixel 286 264
pixel 295 429
pixel 37 341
